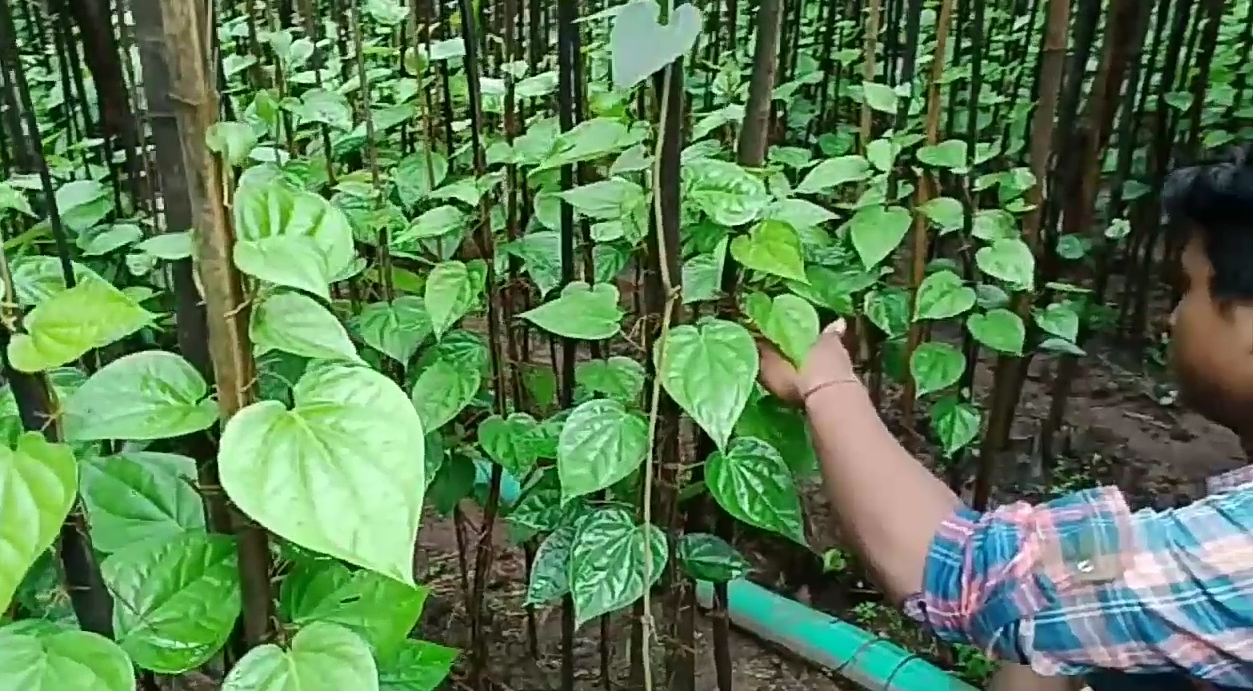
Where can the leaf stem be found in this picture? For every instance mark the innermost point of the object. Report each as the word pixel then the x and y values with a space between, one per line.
pixel 655 396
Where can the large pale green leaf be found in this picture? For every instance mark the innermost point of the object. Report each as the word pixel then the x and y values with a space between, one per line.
pixel 396 329
pixel 341 473
pixel 380 610
pixel 635 26
pixel 607 569
pixel 152 394
pixel 771 247
pixel 601 443
pixel 175 600
pixel 38 481
pixel 709 370
pixel 297 324
pixel 590 313
pixel 70 660
pixel 323 657
pixel 137 496
pixel 291 238
pixel 70 323
pixel 754 484
pixel 416 666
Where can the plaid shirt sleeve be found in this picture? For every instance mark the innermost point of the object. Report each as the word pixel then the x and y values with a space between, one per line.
pixel 1082 582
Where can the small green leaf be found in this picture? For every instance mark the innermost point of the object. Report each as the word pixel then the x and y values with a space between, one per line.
pixel 295 323
pixel 754 484
pixel 396 329
pixel 708 557
pixel 147 395
pixel 709 369
pixel 999 329
pixel 589 313
pixel 945 212
pixel 947 154
pixel 619 378
pixel 550 570
pixel 935 366
pixel 416 666
pixel 176 600
pixel 943 295
pixel 607 567
pixel 789 322
pixel 450 292
pixel 378 609
pixel 876 231
pixel 600 444
pixel 443 390
pixel 772 247
pixel 605 199
pixel 1009 260
pixel 636 25
pixel 64 327
pixel 62 661
pixel 955 423
pixel 510 442
pixel 879 97
pixel 139 496
pixel 40 481
pixel 834 172
pixel 291 237
pixel 1059 319
pixel 323 657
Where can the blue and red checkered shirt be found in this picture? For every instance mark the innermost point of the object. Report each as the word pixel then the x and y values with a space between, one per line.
pixel 1082 582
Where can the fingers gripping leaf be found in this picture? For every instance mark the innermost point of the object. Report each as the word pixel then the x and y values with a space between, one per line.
pixel 709 371
pixel 341 473
pixel 38 481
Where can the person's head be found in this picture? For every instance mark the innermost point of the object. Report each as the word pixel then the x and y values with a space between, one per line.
pixel 1212 326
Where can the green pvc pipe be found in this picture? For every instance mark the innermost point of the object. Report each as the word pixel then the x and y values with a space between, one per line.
pixel 856 654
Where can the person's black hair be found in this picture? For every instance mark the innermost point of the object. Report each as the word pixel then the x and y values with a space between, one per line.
pixel 1216 200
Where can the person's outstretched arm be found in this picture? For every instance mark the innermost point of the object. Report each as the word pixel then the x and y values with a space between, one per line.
pixel 1078 583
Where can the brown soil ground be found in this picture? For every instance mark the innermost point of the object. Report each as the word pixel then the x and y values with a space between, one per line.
pixel 1119 431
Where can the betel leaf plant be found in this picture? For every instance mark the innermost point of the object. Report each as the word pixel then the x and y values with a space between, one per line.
pixel 363 264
